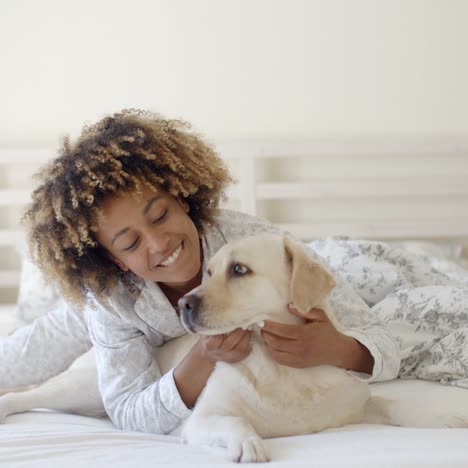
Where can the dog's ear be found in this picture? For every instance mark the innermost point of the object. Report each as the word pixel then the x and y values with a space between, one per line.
pixel 310 282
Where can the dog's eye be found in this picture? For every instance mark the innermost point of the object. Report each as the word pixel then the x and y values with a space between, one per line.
pixel 239 269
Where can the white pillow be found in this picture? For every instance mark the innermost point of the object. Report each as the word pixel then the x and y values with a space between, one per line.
pixel 35 297
pixel 7 320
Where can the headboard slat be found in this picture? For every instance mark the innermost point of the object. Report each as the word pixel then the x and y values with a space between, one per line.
pixel 10 237
pixel 356 188
pixel 454 229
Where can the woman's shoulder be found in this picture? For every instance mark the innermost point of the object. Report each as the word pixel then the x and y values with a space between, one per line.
pixel 118 305
pixel 235 225
pixel 150 312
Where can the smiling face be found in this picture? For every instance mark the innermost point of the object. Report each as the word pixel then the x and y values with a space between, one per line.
pixel 152 235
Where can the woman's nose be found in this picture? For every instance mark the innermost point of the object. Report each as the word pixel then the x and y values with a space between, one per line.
pixel 157 245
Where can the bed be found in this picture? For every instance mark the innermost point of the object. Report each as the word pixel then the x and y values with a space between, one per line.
pixel 410 191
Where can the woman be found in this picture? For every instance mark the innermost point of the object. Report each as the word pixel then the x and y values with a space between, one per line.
pixel 124 221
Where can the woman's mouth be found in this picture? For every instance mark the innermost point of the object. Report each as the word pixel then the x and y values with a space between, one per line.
pixel 173 257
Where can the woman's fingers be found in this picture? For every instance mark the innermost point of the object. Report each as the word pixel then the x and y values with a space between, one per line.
pixel 233 339
pixel 231 347
pixel 214 342
pixel 312 314
pixel 283 330
pixel 280 343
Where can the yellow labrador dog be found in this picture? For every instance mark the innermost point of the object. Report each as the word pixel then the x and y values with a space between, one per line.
pixel 250 281
pixel 258 398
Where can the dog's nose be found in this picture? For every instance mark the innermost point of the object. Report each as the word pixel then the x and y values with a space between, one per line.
pixel 188 306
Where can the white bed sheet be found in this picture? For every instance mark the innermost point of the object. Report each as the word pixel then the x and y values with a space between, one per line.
pixel 52 440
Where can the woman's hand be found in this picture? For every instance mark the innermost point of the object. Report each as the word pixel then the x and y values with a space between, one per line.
pixel 231 347
pixel 191 375
pixel 314 343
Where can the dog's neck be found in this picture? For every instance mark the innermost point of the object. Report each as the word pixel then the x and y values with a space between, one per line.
pixel 282 316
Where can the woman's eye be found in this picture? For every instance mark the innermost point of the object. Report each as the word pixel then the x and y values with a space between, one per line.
pixel 239 269
pixel 157 220
pixel 132 246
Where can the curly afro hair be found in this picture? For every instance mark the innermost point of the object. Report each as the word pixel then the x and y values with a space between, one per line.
pixel 120 153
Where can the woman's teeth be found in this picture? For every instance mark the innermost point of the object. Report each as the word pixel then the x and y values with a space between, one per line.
pixel 173 257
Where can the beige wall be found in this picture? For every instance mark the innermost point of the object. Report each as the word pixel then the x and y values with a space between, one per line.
pixel 235 67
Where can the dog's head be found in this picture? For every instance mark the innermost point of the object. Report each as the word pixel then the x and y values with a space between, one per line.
pixel 254 279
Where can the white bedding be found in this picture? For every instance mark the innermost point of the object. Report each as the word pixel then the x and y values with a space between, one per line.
pixel 51 440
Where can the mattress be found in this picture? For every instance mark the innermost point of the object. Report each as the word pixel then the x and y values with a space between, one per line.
pixel 49 440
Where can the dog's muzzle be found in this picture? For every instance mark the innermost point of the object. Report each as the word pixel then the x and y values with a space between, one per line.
pixel 188 309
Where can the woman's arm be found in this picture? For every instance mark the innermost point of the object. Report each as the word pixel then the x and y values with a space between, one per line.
pixel 193 372
pixel 43 349
pixel 365 346
pixel 317 342
pixel 135 394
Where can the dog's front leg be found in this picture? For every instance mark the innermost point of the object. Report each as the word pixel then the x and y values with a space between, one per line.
pixel 233 432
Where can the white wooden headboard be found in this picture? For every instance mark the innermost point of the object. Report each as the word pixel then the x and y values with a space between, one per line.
pixel 377 188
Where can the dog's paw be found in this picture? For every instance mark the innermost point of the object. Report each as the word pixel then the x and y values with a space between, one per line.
pixel 249 450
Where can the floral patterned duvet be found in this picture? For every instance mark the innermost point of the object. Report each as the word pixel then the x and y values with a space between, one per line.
pixel 423 299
